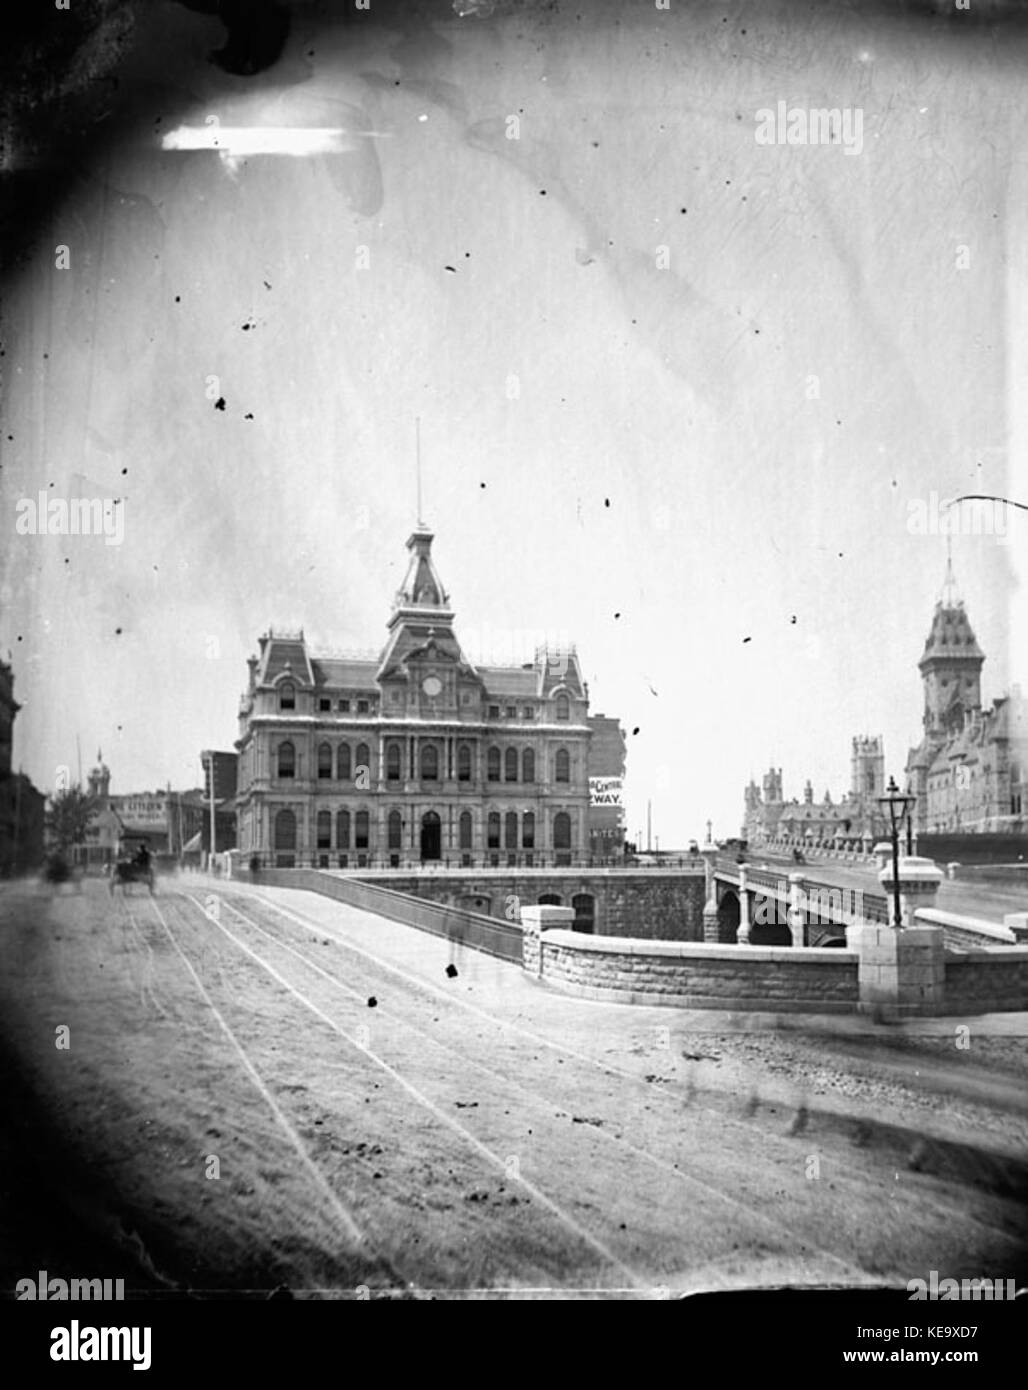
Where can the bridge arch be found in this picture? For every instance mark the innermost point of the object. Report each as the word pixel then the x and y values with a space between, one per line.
pixel 728 917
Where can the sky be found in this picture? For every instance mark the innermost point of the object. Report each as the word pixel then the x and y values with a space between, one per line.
pixel 685 398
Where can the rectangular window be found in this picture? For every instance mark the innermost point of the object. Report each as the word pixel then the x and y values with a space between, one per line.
pixel 512 711
pixel 324 704
pixel 362 706
pixel 494 711
pixel 344 707
pixel 528 712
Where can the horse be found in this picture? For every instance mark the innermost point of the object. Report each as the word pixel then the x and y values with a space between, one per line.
pixel 131 871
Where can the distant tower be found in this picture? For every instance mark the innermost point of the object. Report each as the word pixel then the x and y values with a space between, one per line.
pixel 867 767
pixel 808 793
pixel 951 666
pixel 773 785
pixel 100 779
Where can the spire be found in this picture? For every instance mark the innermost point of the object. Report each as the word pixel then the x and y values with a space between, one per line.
pixel 421 609
pixel 949 598
pixel 951 636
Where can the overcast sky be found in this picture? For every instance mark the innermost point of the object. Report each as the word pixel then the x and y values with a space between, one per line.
pixel 680 392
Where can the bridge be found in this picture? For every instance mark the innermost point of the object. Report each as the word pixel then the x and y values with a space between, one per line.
pixel 773 901
pixel 769 906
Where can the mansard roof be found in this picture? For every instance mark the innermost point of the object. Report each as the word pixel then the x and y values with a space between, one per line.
pixel 420 629
pixel 951 637
pixel 341 672
pixel 284 653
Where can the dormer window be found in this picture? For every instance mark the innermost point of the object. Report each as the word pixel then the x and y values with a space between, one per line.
pixel 287 695
pixel 563 707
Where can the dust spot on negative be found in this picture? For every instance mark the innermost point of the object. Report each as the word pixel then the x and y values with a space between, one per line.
pixel 451 971
pixel 372 1002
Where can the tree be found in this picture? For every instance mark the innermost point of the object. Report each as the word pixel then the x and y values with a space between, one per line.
pixel 68 815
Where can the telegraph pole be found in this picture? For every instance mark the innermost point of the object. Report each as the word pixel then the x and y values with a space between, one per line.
pixel 210 765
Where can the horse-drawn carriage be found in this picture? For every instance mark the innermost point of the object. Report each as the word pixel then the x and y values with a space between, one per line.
pixel 138 869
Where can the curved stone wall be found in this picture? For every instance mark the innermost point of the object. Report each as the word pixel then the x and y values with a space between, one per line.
pixel 691 975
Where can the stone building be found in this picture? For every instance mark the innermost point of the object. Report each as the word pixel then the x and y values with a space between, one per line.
pixel 968 771
pixel 22 805
pixel 853 823
pixel 416 755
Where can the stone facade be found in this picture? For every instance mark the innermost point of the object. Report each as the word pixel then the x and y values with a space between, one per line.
pixel 969 770
pixel 987 981
pixel 647 905
pixel 22 806
pixel 854 822
pixel 692 976
pixel 416 753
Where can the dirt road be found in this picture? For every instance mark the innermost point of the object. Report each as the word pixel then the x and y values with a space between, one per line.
pixel 265 1089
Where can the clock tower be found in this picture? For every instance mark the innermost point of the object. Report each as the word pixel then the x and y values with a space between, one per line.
pixel 950 667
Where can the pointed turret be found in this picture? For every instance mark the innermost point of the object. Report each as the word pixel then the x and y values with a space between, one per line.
pixel 950 665
pixel 421 635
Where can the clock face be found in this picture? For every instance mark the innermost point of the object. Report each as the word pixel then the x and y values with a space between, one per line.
pixel 432 686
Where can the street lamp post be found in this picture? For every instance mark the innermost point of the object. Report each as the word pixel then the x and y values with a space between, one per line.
pixel 897 804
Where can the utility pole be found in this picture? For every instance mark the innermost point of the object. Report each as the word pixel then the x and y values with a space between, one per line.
pixel 649 841
pixel 210 765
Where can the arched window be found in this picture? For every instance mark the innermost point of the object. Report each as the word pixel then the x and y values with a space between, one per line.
pixel 286 760
pixel 493 829
pixel 510 765
pixel 395 830
pixel 562 830
pixel 324 830
pixel 585 912
pixel 510 830
pixel 343 830
pixel 360 837
pixel 429 762
pixel 287 695
pixel 463 763
pixel 493 765
pixel 563 707
pixel 285 830
pixel 528 830
pixel 393 762
pixel 549 900
pixel 324 761
pixel 363 758
pixel 528 765
pixel 562 772
pixel 465 829
pixel 343 772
